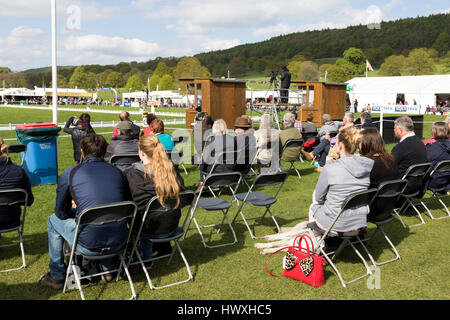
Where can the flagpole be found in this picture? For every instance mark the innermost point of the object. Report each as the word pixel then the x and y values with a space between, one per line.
pixel 54 65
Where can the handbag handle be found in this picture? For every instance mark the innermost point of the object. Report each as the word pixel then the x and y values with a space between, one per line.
pixel 265 264
pixel 306 237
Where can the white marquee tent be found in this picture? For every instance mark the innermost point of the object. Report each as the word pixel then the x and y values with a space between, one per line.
pixel 383 91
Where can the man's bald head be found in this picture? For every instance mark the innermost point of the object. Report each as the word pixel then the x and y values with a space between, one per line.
pixel 124 116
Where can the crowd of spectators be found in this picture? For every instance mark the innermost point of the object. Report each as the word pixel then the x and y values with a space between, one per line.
pixel 361 161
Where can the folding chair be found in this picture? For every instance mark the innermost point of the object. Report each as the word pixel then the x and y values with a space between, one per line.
pixel 153 206
pixel 99 215
pixel 181 140
pixel 11 197
pixel 215 204
pixel 124 161
pixel 18 148
pixel 294 143
pixel 356 200
pixel 176 156
pixel 259 199
pixel 417 171
pixel 441 167
pixel 388 193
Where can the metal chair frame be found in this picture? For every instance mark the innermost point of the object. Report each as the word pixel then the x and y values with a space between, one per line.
pixel 186 199
pixel 442 166
pixel 11 197
pixel 294 143
pixel 97 216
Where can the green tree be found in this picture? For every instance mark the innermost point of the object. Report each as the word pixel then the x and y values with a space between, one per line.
pixel 134 84
pixel 189 67
pixel 162 69
pixel 154 82
pixel 78 78
pixel 337 74
pixel 309 71
pixel 237 67
pixel 442 43
pixel 419 62
pixel 393 66
pixel 294 67
pixel 62 82
pixel 5 70
pixel 91 81
pixel 446 64
pixel 323 69
pixel 114 80
pixel 166 83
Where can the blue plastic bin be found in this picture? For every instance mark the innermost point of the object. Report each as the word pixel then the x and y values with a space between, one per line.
pixel 41 159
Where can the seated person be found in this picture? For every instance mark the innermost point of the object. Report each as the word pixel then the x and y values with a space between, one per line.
pixel 347 121
pixel 202 129
pixel 309 129
pixel 436 152
pixel 289 133
pixel 219 142
pixel 12 176
pixel 150 117
pixel 154 176
pixel 266 138
pixel 125 116
pixel 125 143
pixel 244 140
pixel 384 169
pixel 338 180
pixel 94 183
pixel 321 151
pixel 366 120
pixel 165 139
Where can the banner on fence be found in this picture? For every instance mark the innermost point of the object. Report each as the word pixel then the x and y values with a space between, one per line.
pixel 409 109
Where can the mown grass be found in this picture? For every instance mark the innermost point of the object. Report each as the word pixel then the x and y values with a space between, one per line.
pixel 237 272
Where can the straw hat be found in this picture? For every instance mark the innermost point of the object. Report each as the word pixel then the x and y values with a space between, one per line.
pixel 242 122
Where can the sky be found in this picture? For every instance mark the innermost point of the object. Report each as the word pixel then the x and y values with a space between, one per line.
pixel 108 32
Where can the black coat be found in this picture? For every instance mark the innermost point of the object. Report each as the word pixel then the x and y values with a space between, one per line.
pixel 436 152
pixel 142 189
pixel 13 176
pixel 285 79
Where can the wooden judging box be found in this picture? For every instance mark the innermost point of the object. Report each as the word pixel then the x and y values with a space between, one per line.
pixel 320 98
pixel 220 98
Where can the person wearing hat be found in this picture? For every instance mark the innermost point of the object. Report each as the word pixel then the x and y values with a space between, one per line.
pixel 245 140
pixel 125 116
pixel 126 141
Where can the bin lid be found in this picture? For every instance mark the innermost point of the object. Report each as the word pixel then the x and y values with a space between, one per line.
pixel 37 125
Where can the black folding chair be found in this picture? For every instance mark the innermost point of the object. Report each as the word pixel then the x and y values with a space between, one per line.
pixel 388 194
pixel 414 173
pixel 124 161
pixel 441 167
pixel 96 216
pixel 10 197
pixel 221 180
pixel 259 199
pixel 186 198
pixel 294 144
pixel 18 148
pixel 354 201
pixel 181 140
pixel 176 156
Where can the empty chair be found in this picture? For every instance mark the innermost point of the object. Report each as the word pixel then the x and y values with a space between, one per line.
pixel 388 193
pixel 356 200
pixel 294 144
pixel 124 161
pixel 441 167
pixel 18 148
pixel 176 156
pixel 415 176
pixel 153 211
pixel 232 179
pixel 259 199
pixel 100 215
pixel 13 197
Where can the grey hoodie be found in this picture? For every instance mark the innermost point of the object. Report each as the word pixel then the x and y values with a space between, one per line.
pixel 348 175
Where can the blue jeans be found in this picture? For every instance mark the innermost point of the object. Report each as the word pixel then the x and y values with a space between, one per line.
pixel 146 245
pixel 58 231
pixel 321 151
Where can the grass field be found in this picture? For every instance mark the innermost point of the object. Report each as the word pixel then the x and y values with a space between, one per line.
pixel 237 272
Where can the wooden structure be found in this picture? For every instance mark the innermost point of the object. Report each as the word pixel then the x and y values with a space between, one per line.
pixel 220 98
pixel 319 98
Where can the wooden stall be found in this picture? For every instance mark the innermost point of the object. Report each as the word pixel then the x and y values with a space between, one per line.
pixel 319 98
pixel 220 98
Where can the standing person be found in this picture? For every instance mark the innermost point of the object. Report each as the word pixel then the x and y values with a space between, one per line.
pixel 355 105
pixel 285 84
pixel 155 175
pixel 92 183
pixel 78 128
pixel 12 176
pixel 409 151
pixel 125 116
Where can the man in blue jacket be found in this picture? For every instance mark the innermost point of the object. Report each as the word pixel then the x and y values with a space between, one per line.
pixel 94 182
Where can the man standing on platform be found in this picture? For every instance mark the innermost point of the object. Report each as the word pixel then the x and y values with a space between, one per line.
pixel 285 84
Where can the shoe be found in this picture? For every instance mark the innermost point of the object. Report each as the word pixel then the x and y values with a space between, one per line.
pixel 308 155
pixel 107 277
pixel 46 280
pixel 319 169
pixel 199 187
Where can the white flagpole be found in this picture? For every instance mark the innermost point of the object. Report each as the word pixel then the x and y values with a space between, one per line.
pixel 54 66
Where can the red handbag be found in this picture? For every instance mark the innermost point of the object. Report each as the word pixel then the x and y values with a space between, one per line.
pixel 302 264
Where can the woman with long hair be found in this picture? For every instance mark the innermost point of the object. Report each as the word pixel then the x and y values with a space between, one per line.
pixel 12 176
pixel 384 169
pixel 155 175
pixel 346 176
pixel 266 137
pixel 78 128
